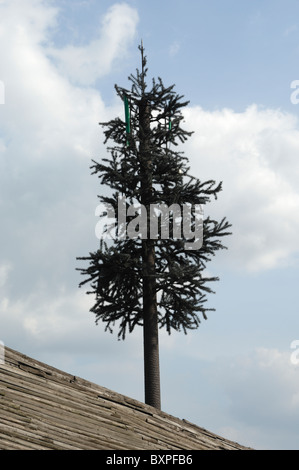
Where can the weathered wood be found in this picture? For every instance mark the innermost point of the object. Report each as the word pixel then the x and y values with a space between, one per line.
pixel 44 408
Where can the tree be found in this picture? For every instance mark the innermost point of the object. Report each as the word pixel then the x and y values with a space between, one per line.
pixel 137 277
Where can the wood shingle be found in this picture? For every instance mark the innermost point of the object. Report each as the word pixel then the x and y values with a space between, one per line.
pixel 43 408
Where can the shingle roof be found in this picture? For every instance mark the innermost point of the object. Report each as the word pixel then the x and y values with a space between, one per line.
pixel 44 408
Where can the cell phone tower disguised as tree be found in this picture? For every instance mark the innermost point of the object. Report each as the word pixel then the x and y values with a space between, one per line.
pixel 147 280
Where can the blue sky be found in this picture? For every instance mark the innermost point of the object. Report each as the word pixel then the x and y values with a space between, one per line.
pixel 235 61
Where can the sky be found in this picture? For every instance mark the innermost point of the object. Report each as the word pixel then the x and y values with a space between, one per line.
pixel 237 62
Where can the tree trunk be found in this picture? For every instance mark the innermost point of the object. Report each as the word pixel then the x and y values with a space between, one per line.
pixel 150 315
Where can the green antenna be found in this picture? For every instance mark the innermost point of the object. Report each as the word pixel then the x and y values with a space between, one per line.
pixel 127 115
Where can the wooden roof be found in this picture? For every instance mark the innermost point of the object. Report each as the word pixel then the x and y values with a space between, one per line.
pixel 44 408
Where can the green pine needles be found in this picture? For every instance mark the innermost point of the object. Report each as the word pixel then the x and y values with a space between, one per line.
pixel 138 278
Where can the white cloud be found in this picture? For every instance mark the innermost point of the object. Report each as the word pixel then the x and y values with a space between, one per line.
pixel 254 153
pixel 49 134
pixel 28 21
pixel 42 112
pixel 88 63
pixel 262 392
